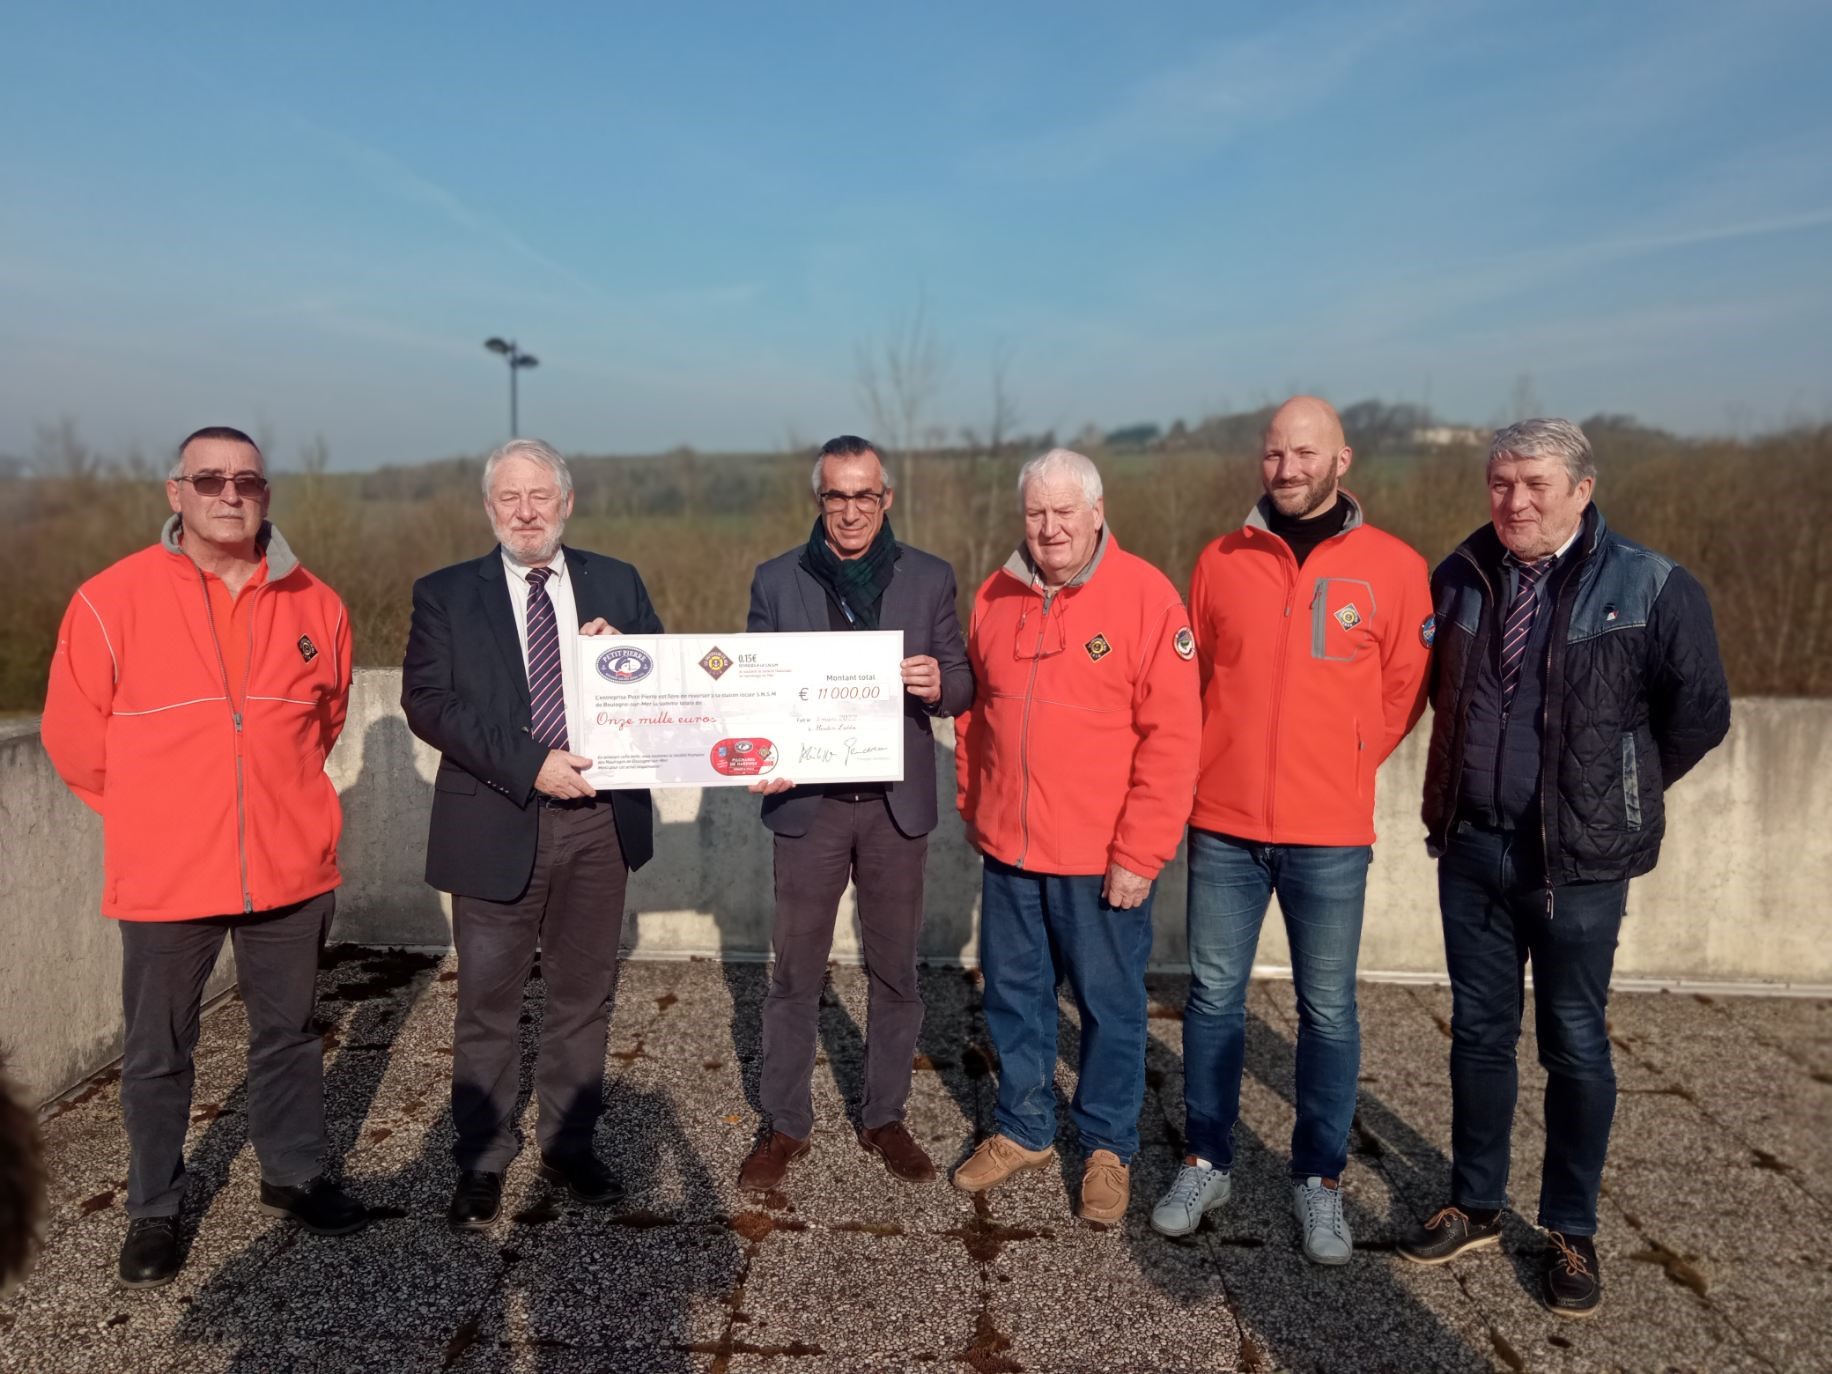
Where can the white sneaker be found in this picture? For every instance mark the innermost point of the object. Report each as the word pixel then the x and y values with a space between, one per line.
pixel 1197 1190
pixel 1326 1231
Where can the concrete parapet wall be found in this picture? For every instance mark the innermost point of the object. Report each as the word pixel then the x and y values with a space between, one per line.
pixel 1738 895
pixel 60 961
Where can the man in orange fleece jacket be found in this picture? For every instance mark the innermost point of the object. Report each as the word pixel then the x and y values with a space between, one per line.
pixel 197 688
pixel 1313 632
pixel 1075 768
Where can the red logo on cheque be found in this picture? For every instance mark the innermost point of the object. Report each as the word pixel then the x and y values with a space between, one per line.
pixel 744 758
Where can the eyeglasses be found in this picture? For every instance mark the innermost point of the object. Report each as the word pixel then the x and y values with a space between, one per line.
pixel 833 502
pixel 248 485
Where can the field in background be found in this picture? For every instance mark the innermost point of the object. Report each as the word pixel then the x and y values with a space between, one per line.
pixel 1748 517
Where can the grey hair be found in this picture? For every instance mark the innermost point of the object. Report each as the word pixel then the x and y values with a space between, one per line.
pixel 849 446
pixel 228 432
pixel 535 451
pixel 1067 462
pixel 1547 439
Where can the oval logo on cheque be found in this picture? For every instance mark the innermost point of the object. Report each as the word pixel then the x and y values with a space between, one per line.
pixel 624 664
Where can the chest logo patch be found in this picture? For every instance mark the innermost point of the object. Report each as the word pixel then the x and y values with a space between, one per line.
pixel 1428 630
pixel 1098 648
pixel 1348 617
pixel 307 650
pixel 1184 643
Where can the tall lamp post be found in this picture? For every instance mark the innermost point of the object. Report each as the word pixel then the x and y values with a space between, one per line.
pixel 517 360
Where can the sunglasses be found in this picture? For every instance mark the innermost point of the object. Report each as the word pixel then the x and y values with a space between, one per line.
pixel 248 485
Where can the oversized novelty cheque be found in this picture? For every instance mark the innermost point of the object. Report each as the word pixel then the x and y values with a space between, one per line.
pixel 730 710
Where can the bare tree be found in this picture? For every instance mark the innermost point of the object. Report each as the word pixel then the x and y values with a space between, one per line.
pixel 898 377
pixel 60 452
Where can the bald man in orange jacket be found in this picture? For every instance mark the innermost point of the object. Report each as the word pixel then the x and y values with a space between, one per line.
pixel 1313 635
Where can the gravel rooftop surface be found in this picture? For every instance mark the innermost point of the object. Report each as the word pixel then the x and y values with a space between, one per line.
pixel 1716 1239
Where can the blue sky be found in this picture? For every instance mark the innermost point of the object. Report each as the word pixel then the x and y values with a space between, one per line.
pixel 306 219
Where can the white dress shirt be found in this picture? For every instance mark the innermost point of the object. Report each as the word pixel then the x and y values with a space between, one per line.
pixel 566 620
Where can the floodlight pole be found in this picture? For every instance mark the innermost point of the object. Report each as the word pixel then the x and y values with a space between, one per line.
pixel 517 360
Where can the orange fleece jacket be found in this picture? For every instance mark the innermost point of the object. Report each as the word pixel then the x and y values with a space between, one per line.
pixel 1080 748
pixel 205 811
pixel 1310 678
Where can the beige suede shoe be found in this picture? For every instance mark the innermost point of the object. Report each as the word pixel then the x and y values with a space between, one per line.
pixel 1106 1188
pixel 997 1159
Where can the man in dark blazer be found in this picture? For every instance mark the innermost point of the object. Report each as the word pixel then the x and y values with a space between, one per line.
pixel 853 574
pixel 533 855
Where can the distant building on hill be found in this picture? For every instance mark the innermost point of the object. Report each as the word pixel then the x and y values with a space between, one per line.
pixel 1449 436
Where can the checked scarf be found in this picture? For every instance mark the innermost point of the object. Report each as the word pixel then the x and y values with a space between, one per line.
pixel 857 584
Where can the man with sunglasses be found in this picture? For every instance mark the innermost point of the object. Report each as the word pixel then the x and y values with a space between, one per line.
pixel 1074 773
pixel 197 688
pixel 853 574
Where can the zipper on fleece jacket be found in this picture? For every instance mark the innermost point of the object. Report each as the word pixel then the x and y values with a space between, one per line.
pixel 1296 571
pixel 1030 691
pixel 1278 678
pixel 235 715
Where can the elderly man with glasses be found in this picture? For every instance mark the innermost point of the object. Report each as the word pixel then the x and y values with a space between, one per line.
pixel 853 575
pixel 197 687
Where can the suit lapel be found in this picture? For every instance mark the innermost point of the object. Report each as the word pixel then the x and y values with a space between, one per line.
pixel 585 591
pixel 895 613
pixel 499 615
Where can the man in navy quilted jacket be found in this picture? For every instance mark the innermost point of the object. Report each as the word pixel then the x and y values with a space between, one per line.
pixel 1576 678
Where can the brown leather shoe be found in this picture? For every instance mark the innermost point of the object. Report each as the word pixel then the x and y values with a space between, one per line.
pixel 1106 1188
pixel 997 1159
pixel 769 1160
pixel 901 1154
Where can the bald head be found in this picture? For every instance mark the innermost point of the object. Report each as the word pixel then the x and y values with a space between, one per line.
pixel 1311 416
pixel 1303 456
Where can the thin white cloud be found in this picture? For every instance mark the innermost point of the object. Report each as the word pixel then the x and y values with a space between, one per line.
pixel 1225 89
pixel 390 173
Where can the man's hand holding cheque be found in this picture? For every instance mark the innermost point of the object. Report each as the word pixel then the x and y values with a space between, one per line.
pixel 921 679
pixel 563 775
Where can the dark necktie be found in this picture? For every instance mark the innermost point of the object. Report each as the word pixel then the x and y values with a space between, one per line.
pixel 1517 626
pixel 546 692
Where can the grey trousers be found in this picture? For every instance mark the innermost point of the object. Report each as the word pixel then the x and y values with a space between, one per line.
pixel 164 966
pixel 856 840
pixel 572 911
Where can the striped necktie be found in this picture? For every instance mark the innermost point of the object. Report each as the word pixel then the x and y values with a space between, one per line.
pixel 546 692
pixel 1517 627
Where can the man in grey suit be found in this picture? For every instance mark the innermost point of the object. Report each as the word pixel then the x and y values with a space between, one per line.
pixel 853 574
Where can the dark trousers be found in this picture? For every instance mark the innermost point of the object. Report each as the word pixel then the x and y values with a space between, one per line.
pixel 856 840
pixel 572 911
pixel 164 966
pixel 1037 931
pixel 1496 921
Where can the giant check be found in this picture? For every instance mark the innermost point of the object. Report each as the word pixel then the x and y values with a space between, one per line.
pixel 730 710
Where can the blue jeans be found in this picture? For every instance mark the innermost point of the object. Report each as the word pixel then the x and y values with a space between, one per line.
pixel 1320 889
pixel 1036 930
pixel 1495 920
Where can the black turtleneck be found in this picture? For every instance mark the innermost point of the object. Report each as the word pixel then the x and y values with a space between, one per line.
pixel 1305 535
